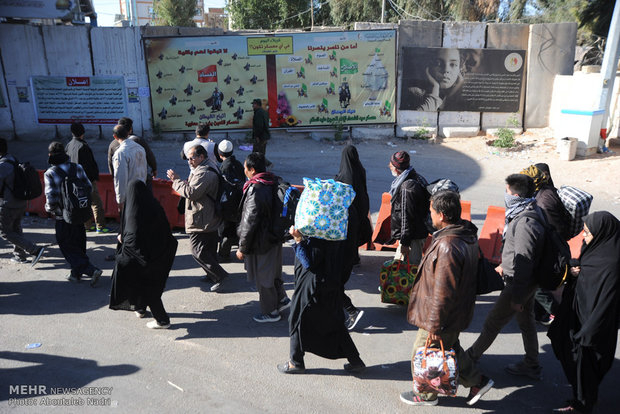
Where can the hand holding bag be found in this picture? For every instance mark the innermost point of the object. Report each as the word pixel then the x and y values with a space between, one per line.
pixel 397 278
pixel 435 370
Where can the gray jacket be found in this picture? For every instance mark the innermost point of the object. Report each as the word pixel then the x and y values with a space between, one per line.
pixel 523 245
pixel 7 176
pixel 200 191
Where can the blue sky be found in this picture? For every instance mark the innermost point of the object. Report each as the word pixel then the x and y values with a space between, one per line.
pixel 106 9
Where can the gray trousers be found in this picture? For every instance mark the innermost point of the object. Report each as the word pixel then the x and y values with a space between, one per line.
pixel 204 251
pixel 11 231
pixel 266 271
pixel 499 317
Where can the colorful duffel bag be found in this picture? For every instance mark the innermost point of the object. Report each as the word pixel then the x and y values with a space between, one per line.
pixel 396 279
pixel 323 209
pixel 435 370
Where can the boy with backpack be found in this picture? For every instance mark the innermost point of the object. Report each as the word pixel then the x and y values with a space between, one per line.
pixel 67 193
pixel 234 178
pixel 12 210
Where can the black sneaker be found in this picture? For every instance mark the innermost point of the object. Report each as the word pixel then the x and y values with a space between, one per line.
pixel 284 304
pixel 354 318
pixel 479 390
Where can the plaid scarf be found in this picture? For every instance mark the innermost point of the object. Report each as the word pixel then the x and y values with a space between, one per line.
pixel 514 206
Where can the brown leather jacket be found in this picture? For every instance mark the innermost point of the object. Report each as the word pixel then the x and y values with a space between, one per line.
pixel 443 299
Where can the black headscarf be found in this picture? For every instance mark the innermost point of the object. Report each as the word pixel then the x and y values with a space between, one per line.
pixel 352 172
pixel 545 169
pixel 597 294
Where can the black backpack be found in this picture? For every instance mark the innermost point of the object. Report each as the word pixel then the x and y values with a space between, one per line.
pixel 228 197
pixel 553 265
pixel 75 194
pixel 27 184
pixel 285 204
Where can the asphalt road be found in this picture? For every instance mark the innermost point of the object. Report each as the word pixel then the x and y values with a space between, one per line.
pixel 215 358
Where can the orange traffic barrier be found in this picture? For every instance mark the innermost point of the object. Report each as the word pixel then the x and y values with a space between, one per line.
pixel 490 239
pixel 383 226
pixel 105 185
pixel 382 230
pixel 169 199
pixel 37 205
pixel 575 245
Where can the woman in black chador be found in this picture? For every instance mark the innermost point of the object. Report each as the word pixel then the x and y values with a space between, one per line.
pixel 144 257
pixel 316 323
pixel 585 331
pixel 359 230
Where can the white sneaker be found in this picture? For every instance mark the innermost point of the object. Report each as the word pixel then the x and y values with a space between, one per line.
pixel 156 325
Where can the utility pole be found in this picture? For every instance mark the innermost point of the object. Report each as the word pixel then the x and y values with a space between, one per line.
pixel 311 15
pixel 383 11
pixel 610 66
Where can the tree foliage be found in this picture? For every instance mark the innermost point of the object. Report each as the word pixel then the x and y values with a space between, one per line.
pixel 175 12
pixel 271 15
pixel 596 16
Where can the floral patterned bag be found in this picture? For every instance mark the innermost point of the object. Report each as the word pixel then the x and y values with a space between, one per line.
pixel 323 209
pixel 396 280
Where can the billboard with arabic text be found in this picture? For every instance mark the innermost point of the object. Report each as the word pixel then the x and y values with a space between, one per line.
pixel 303 79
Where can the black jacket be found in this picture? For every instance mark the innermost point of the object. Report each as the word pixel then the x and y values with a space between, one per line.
pixel 232 170
pixel 255 229
pixel 410 207
pixel 557 216
pixel 80 153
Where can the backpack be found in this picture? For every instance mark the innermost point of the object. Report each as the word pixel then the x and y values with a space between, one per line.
pixel 285 204
pixel 441 185
pixel 75 196
pixel 230 199
pixel 553 265
pixel 27 184
pixel 577 202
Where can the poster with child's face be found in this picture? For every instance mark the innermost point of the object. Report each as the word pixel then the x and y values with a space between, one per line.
pixel 450 79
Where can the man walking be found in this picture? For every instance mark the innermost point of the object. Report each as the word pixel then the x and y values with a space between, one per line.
pixel 201 218
pixel 233 173
pixel 129 163
pixel 71 237
pixel 260 127
pixel 259 247
pixel 80 153
pixel 202 138
pixel 523 241
pixel 410 203
pixel 150 157
pixel 12 210
pixel 442 301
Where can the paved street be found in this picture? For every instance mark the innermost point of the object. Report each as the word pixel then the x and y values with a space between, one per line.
pixel 215 358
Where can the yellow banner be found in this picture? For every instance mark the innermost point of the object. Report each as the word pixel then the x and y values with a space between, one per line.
pixel 270 45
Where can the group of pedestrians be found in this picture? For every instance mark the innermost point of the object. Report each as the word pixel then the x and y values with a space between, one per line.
pixel 442 301
pixel 585 324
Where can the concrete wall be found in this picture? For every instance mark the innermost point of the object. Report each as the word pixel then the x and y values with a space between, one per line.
pixel 60 50
pixel 551 52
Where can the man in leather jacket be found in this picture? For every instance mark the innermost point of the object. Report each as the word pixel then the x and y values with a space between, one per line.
pixel 442 301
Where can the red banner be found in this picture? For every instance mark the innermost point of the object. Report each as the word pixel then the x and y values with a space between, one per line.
pixel 78 81
pixel 208 74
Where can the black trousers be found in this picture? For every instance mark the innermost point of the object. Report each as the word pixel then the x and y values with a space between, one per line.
pixel 71 239
pixel 204 251
pixel 156 306
pixel 228 237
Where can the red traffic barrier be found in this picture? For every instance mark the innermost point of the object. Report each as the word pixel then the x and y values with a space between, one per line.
pixel 490 239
